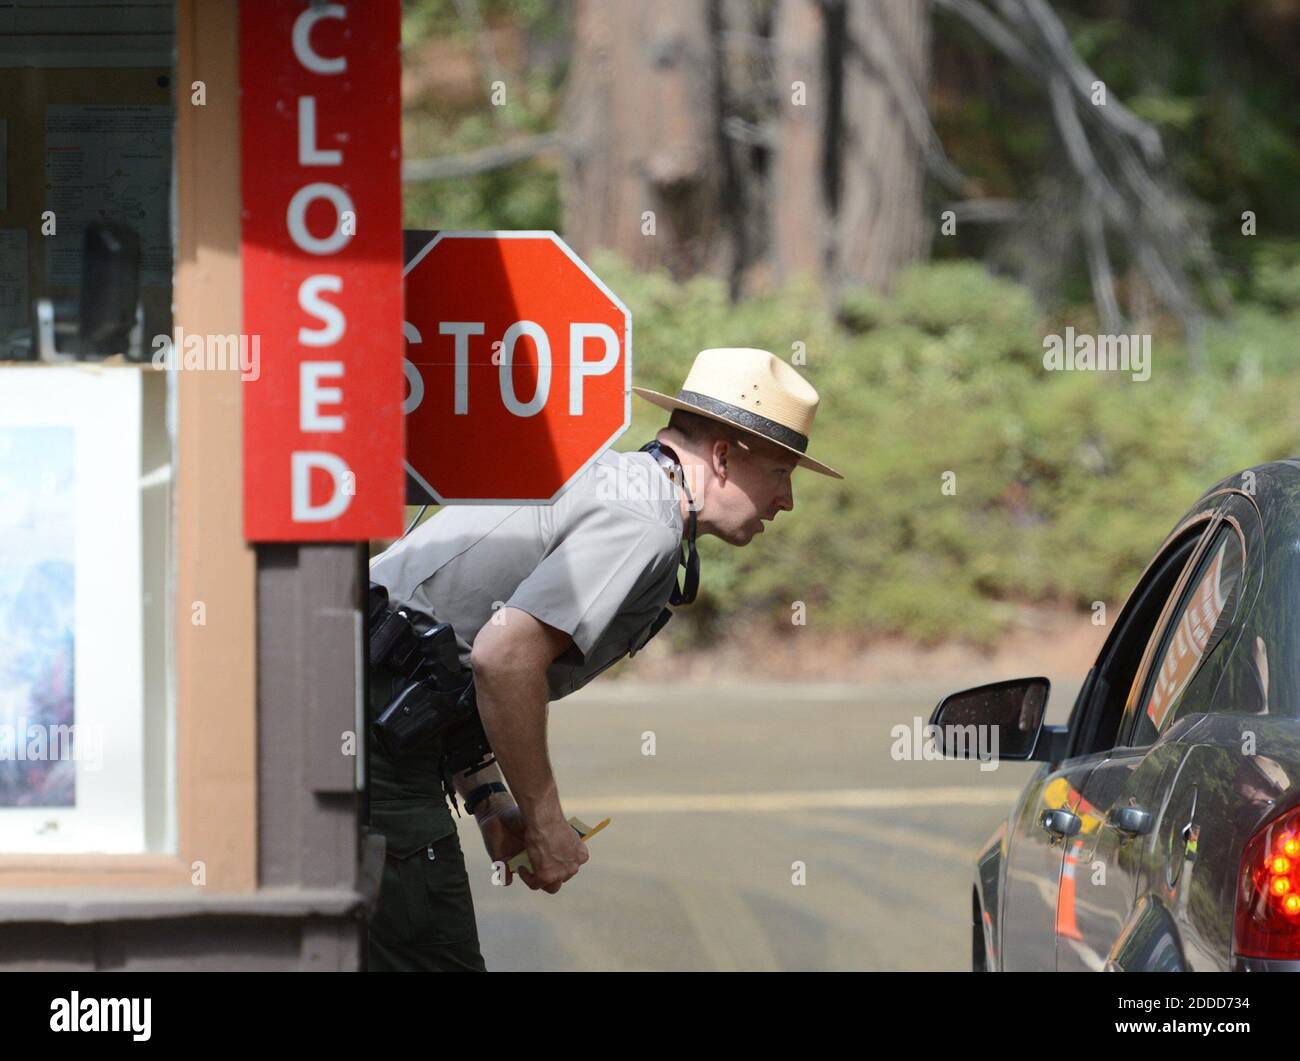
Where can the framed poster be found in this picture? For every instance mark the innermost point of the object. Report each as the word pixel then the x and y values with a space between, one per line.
pixel 71 648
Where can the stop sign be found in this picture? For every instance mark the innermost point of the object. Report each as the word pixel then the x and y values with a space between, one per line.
pixel 518 366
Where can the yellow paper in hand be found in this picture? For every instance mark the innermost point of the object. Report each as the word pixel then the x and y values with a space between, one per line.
pixel 584 831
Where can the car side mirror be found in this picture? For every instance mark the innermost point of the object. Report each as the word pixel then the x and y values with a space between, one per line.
pixel 1003 718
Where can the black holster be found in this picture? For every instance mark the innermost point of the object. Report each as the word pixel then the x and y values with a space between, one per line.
pixel 435 702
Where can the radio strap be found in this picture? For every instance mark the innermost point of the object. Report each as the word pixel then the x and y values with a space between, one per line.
pixel 685 591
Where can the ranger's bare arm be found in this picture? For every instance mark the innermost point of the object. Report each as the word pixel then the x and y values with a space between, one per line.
pixel 509 658
pixel 466 782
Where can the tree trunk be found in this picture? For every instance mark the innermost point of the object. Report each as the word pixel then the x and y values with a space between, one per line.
pixel 847 186
pixel 800 209
pixel 645 167
pixel 879 219
pixel 682 155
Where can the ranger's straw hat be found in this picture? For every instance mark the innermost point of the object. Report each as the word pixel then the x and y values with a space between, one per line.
pixel 753 390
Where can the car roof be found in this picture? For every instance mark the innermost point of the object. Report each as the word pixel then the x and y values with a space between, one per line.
pixel 1274 486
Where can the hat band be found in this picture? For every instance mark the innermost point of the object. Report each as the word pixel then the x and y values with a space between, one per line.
pixel 760 425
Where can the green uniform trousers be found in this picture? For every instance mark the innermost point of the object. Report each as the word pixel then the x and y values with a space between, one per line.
pixel 425 917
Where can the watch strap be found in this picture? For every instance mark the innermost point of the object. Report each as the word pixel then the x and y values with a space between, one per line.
pixel 481 793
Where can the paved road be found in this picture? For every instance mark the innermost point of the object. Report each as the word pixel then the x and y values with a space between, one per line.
pixel 698 868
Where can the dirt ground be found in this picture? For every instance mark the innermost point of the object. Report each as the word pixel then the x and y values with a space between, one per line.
pixel 1043 640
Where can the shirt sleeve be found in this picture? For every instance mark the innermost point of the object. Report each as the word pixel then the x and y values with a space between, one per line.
pixel 604 565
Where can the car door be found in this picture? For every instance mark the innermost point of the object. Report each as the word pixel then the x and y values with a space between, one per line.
pixel 1123 797
pixel 1036 848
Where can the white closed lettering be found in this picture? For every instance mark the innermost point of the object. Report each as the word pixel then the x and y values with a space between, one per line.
pixel 311 395
pixel 302 47
pixel 308 153
pixel 304 462
pixel 297 218
pixel 309 300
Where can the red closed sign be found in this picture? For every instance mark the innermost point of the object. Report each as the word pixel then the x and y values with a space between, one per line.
pixel 322 269
pixel 519 366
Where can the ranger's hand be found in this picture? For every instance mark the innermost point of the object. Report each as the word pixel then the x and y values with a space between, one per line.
pixel 502 827
pixel 556 852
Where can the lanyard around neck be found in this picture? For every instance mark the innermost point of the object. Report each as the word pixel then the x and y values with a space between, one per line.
pixel 668 460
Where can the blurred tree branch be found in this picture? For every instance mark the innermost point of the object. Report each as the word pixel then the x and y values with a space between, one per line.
pixel 682 143
pixel 1124 190
pixel 489 158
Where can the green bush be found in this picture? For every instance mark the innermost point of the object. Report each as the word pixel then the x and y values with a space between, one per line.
pixel 1066 482
pixel 1276 274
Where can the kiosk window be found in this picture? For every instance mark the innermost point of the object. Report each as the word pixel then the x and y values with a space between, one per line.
pixel 86 456
pixel 86 118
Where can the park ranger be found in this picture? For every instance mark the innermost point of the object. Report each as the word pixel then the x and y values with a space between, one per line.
pixel 542 598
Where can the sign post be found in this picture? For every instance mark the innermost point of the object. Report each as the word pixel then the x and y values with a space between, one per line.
pixel 518 367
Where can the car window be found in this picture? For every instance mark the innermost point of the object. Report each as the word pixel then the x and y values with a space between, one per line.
pixel 1191 634
pixel 1095 724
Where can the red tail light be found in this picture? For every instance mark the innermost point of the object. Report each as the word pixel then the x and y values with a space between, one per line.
pixel 1268 891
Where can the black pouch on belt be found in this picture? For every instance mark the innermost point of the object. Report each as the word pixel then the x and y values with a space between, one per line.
pixel 435 700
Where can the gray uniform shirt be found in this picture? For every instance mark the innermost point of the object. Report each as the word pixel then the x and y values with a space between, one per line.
pixel 599 564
